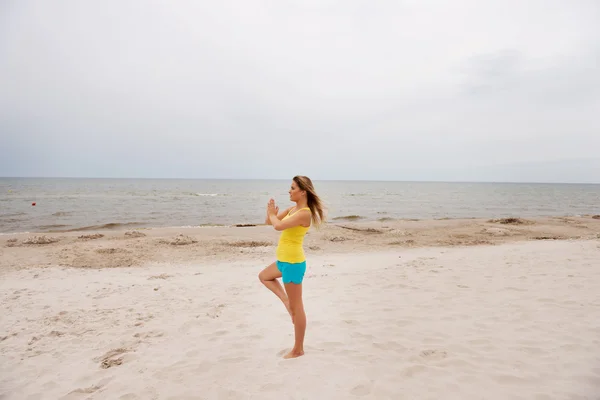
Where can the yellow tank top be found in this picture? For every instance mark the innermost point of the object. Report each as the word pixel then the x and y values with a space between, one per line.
pixel 289 248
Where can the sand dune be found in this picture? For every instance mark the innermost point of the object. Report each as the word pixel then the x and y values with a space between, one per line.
pixel 517 320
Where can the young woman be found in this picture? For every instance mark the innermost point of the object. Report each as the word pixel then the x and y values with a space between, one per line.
pixel 293 223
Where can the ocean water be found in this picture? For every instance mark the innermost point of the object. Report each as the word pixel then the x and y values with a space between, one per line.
pixel 87 204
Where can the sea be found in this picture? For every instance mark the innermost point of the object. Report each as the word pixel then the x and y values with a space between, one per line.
pixel 80 204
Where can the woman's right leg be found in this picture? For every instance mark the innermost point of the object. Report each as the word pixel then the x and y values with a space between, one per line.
pixel 294 292
pixel 268 277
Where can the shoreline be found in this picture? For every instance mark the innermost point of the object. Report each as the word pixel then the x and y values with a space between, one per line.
pixel 123 226
pixel 336 221
pixel 98 248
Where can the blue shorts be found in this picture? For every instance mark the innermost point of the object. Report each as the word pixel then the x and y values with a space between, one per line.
pixel 292 272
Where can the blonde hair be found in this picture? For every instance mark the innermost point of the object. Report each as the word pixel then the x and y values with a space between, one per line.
pixel 314 202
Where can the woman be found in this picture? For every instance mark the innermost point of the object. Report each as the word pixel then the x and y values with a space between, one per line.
pixel 294 222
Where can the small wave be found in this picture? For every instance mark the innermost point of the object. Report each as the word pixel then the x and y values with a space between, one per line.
pixel 12 215
pixel 196 226
pixel 10 220
pixel 206 194
pixel 53 226
pixel 62 214
pixel 111 225
pixel 349 218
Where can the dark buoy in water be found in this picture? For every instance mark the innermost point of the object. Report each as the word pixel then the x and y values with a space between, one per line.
pixel 33 204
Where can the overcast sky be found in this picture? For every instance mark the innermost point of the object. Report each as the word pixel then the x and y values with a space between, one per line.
pixel 394 90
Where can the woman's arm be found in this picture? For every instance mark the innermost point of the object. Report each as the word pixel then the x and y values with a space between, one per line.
pixel 301 217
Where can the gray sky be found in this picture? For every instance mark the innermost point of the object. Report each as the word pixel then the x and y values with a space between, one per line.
pixel 393 90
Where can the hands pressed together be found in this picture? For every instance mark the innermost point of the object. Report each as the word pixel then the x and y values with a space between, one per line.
pixel 272 209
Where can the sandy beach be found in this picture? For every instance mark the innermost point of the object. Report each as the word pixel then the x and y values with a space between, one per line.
pixel 439 309
pixel 162 162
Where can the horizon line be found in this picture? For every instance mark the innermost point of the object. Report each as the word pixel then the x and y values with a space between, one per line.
pixel 316 180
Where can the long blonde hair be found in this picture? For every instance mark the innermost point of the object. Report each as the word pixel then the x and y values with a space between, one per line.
pixel 313 201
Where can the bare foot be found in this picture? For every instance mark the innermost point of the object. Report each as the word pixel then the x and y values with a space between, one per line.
pixel 294 354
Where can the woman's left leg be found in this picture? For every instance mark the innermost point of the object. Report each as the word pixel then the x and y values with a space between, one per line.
pixel 268 277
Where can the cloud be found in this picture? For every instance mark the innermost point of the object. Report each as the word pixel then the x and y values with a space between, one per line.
pixel 340 90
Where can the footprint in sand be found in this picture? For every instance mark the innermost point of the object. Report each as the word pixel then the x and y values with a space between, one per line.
pixel 161 276
pixel 515 289
pixel 129 396
pixel 216 311
pixel 33 340
pixel 187 326
pixel 149 335
pixel 272 387
pixel 110 359
pixel 3 338
pixel 46 386
pixel 433 354
pixel 144 318
pixel 239 345
pixel 111 363
pixel 81 393
pixel 506 379
pixel 546 300
pixel 359 335
pixel 202 368
pixel 361 390
pixel 215 335
pixel 396 286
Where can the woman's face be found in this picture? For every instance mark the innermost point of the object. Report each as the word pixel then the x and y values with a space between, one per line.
pixel 295 192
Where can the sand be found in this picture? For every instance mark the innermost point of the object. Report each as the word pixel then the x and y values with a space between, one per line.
pixel 142 247
pixel 468 309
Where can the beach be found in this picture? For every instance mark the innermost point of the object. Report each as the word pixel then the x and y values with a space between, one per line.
pixel 162 163
pixel 397 309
